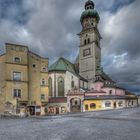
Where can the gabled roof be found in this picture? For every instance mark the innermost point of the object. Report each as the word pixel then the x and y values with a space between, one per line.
pixel 62 65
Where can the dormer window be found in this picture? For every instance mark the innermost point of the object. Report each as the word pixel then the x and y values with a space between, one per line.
pixel 17 59
pixel 44 69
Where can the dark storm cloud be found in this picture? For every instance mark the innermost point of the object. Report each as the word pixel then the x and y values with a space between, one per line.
pixel 121 46
pixel 13 10
pixel 50 27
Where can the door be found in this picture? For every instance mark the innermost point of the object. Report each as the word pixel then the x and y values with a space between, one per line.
pixel 32 110
pixel 114 104
pixel 57 110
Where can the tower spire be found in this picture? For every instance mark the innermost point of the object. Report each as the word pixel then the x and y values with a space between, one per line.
pixel 90 16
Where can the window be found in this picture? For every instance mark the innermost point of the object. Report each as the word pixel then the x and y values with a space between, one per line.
pixel 107 104
pixel 34 65
pixel 72 84
pixel 60 86
pixel 120 103
pixel 110 92
pixel 17 76
pixel 88 40
pixel 43 82
pixel 85 42
pixel 42 96
pixel 86 52
pixel 92 106
pixel 44 69
pixel 17 93
pixel 63 109
pixel 83 84
pixel 17 59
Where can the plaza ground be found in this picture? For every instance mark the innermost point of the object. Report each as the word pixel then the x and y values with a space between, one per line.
pixel 121 124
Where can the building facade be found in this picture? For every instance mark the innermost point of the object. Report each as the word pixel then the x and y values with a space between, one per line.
pixel 23 78
pixel 62 78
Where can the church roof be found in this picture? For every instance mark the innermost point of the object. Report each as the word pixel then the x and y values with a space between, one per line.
pixel 62 65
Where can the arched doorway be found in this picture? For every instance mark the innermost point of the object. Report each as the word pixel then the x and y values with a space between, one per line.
pixel 75 105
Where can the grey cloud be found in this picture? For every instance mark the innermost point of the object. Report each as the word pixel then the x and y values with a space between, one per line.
pixel 121 34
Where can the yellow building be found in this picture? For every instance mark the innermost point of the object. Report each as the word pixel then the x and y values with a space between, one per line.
pixel 92 105
pixel 23 78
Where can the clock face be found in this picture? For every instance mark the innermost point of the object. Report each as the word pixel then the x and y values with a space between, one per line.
pixel 86 52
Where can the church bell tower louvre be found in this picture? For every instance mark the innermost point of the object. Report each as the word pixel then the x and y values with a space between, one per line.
pixel 89 49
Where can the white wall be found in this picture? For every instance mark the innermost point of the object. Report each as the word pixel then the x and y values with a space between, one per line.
pixel 68 79
pixel 67 76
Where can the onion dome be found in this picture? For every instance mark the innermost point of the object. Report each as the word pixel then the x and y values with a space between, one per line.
pixel 89 12
pixel 89 3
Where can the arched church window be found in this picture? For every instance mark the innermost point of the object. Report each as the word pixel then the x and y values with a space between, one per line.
pixel 88 40
pixel 60 86
pixel 72 84
pixel 85 42
pixel 50 86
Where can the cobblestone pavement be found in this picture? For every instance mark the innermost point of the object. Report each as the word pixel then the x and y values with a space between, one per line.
pixel 104 125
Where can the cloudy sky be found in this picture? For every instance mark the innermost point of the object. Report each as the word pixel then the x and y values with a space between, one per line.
pixel 50 27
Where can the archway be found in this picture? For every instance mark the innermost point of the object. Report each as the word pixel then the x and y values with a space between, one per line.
pixel 75 105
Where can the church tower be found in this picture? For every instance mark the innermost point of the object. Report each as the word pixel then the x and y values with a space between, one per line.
pixel 89 49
